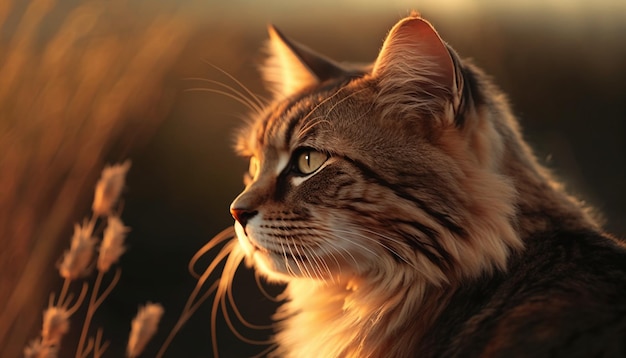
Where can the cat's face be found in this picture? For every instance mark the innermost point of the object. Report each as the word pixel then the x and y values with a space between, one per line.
pixel 311 207
pixel 355 172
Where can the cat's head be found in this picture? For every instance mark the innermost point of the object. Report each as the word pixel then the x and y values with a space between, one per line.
pixel 359 172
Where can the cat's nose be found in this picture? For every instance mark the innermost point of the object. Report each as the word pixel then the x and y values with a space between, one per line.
pixel 242 215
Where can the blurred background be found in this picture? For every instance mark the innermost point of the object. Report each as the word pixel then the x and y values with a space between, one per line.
pixel 86 83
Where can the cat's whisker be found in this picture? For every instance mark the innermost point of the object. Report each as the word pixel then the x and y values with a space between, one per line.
pixel 321 119
pixel 306 117
pixel 339 250
pixel 354 93
pixel 332 255
pixel 227 276
pixel 262 102
pixel 233 304
pixel 365 248
pixel 259 284
pixel 304 271
pixel 320 263
pixel 378 242
pixel 290 271
pixel 245 102
pixel 313 264
pixel 225 235
pixel 257 108
pixel 225 295
pixel 334 248
pixel 309 126
pixel 432 211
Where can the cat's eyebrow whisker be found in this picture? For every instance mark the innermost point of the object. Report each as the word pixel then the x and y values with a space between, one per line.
pixel 234 94
pixel 322 103
pixel 309 126
pixel 259 100
pixel 331 109
pixel 306 117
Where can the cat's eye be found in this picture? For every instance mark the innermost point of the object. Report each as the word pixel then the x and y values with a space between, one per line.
pixel 310 160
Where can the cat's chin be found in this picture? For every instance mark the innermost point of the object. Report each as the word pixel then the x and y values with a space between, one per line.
pixel 261 259
pixel 275 267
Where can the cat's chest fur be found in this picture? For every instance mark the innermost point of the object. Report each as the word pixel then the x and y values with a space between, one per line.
pixel 356 319
pixel 336 322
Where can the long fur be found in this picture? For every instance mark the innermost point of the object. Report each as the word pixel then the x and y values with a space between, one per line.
pixel 407 240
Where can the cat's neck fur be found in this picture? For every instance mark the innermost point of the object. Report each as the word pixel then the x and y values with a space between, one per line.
pixel 367 319
pixel 542 203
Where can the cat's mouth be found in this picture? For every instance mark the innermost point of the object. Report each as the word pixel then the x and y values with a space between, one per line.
pixel 251 246
pixel 275 252
pixel 257 246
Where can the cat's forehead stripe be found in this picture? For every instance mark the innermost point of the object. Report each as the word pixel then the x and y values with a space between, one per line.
pixel 295 111
pixel 280 125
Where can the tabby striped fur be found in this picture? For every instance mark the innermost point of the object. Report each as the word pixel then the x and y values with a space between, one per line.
pixel 430 229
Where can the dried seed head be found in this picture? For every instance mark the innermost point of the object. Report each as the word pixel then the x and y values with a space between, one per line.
pixel 77 259
pixel 37 349
pixel 109 187
pixel 55 325
pixel 112 246
pixel 143 327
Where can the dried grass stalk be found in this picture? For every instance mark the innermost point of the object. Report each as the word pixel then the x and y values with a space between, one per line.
pixel 66 92
pixel 143 327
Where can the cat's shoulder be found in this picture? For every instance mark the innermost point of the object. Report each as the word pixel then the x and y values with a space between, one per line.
pixel 564 295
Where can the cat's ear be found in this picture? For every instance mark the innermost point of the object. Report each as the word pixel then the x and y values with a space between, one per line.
pixel 415 67
pixel 292 67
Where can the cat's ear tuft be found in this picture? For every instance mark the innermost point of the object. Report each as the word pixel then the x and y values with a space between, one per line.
pixel 292 67
pixel 414 61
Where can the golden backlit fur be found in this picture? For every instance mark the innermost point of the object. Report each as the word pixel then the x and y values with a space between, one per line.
pixel 427 186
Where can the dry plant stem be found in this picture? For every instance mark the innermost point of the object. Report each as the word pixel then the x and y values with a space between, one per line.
pixel 99 348
pixel 94 303
pixel 79 300
pixel 64 289
pixel 64 96
pixel 88 348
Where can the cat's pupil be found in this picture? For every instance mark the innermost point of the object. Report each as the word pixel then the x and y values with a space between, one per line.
pixel 310 161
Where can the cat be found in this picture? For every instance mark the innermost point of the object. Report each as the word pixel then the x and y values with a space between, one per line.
pixel 407 217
